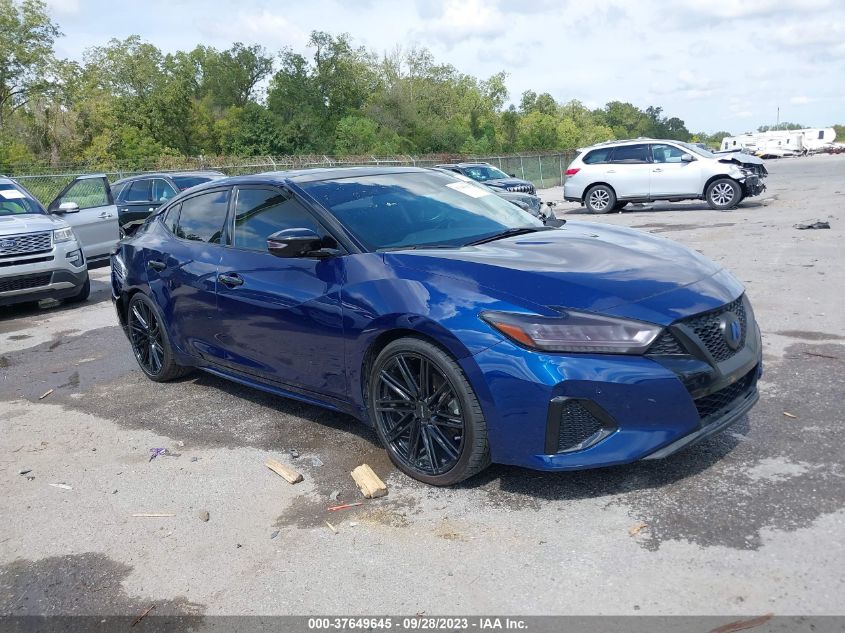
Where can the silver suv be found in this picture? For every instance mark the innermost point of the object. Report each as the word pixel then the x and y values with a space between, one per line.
pixel 608 176
pixel 40 256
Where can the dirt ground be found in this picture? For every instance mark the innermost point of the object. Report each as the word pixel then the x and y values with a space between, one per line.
pixel 747 522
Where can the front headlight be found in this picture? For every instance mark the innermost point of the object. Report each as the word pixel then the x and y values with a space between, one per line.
pixel 575 332
pixel 63 235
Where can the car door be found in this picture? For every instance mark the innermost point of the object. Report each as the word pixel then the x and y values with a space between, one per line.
pixel 280 318
pixel 135 204
pixel 629 171
pixel 95 222
pixel 182 268
pixel 671 175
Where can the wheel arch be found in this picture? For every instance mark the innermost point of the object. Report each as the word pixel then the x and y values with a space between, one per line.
pixel 713 179
pixel 590 187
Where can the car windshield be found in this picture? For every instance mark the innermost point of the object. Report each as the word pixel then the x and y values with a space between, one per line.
pixel 186 182
pixel 417 210
pixel 14 201
pixel 482 173
pixel 698 150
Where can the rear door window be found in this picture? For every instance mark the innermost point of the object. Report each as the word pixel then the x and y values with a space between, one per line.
pixel 630 154
pixel 597 156
pixel 138 191
pixel 203 217
pixel 162 190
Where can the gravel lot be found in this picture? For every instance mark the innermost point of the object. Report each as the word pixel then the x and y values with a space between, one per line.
pixel 748 522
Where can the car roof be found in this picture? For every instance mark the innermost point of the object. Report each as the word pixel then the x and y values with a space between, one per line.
pixel 159 174
pixel 464 165
pixel 625 141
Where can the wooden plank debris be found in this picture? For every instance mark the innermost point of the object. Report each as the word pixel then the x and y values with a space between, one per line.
pixel 368 482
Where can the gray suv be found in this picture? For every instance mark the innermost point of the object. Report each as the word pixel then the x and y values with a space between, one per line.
pixel 40 255
pixel 608 176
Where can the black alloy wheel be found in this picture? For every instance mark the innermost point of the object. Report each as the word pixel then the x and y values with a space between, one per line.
pixel 426 414
pixel 149 341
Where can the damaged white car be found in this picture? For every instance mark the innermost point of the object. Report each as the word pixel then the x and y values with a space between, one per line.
pixel 608 176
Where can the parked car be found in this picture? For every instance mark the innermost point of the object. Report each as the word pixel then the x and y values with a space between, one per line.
pixel 608 176
pixel 40 255
pixel 486 174
pixel 138 196
pixel 526 201
pixel 460 327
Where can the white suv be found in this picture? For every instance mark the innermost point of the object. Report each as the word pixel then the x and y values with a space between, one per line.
pixel 608 176
pixel 40 256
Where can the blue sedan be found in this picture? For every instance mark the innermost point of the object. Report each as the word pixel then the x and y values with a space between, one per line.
pixel 460 327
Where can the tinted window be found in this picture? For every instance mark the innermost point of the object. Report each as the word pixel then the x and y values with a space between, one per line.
pixel 15 202
pixel 138 191
pixel 598 156
pixel 162 190
pixel 261 212
pixel 666 154
pixel 630 154
pixel 417 209
pixel 482 173
pixel 186 182
pixel 171 218
pixel 202 217
pixel 117 189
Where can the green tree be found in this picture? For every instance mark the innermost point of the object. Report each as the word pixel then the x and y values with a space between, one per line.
pixel 26 53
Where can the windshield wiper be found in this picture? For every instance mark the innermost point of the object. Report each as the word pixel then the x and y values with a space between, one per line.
pixel 509 233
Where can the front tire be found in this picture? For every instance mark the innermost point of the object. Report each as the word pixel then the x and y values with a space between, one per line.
pixel 426 413
pixel 600 199
pixel 150 342
pixel 723 194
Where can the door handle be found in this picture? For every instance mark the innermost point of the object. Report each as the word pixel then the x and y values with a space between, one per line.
pixel 231 280
pixel 156 265
pixel 105 215
pixel 611 171
pixel 658 169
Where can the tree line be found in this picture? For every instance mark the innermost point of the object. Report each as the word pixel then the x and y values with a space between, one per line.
pixel 129 102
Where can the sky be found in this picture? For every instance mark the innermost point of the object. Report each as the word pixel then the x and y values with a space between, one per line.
pixel 716 64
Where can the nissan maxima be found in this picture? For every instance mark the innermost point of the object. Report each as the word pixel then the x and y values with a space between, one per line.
pixel 459 326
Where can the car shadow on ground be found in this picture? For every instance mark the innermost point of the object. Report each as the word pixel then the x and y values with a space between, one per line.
pixel 100 291
pixel 614 480
pixel 659 207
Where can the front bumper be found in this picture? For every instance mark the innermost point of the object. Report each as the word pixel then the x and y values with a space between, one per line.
pixel 48 275
pixel 753 186
pixel 623 408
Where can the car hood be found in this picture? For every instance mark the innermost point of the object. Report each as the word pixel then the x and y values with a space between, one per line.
pixel 506 182
pixel 29 223
pixel 585 266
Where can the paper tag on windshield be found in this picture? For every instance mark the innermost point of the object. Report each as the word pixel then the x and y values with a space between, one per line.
pixel 11 194
pixel 469 189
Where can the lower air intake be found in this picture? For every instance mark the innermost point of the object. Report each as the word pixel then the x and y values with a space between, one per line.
pixel 577 425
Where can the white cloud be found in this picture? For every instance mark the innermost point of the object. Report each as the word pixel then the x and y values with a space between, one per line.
pixel 801 100
pixel 251 26
pixel 458 21
pixel 63 7
pixel 732 9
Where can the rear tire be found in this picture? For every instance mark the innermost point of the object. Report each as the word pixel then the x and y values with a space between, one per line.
pixel 723 194
pixel 600 199
pixel 150 342
pixel 83 294
pixel 426 413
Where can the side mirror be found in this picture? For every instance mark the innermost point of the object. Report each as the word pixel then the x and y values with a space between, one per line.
pixel 294 243
pixel 68 207
pixel 513 175
pixel 686 158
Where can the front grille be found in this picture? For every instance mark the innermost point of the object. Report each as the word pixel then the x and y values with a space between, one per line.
pixel 25 244
pixel 25 282
pixel 706 328
pixel 522 188
pixel 665 345
pixel 577 424
pixel 709 405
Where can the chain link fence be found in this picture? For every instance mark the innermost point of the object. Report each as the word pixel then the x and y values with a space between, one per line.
pixel 45 181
